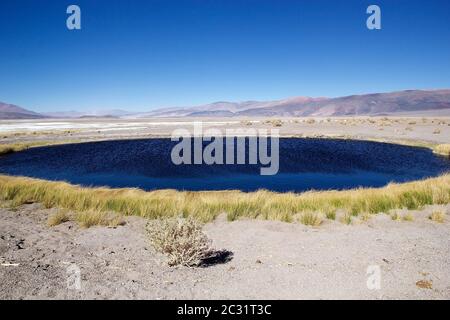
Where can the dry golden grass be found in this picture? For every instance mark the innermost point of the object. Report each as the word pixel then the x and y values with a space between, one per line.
pixel 398 216
pixel 10 148
pixel 87 219
pixel 16 147
pixel 408 217
pixel 205 206
pixel 437 216
pixel 310 218
pixel 443 149
pixel 58 217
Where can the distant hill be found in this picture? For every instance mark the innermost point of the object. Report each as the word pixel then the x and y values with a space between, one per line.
pixel 113 113
pixel 409 101
pixel 10 111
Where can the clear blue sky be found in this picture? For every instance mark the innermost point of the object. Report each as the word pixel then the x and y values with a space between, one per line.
pixel 140 55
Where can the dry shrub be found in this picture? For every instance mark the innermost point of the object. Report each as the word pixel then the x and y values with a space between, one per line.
pixel 182 240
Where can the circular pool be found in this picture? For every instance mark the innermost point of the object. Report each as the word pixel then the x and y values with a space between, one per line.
pixel 304 164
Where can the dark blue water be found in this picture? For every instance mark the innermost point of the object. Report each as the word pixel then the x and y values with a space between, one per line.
pixel 304 164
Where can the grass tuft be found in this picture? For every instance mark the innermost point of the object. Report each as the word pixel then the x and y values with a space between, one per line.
pixel 311 219
pixel 57 218
pixel 87 219
pixel 437 216
pixel 442 149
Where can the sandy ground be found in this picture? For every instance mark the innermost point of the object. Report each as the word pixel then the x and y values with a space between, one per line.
pixel 434 129
pixel 271 260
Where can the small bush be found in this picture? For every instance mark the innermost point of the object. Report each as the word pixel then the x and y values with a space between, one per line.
pixel 182 240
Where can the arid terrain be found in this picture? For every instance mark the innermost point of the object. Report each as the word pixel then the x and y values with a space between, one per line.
pixel 268 259
pixel 433 129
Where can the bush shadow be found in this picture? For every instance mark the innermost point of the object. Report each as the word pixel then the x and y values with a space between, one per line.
pixel 216 257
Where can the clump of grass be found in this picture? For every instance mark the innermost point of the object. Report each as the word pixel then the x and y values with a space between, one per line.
pixel 16 147
pixel 311 121
pixel 345 218
pixel 10 148
pixel 365 216
pixel 396 216
pixel 87 219
pixel 408 217
pixel 437 216
pixel 311 218
pixel 58 217
pixel 182 240
pixel 442 149
pixel 437 131
pixel 399 216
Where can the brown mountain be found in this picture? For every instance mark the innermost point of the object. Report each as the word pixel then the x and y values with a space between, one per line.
pixel 10 111
pixel 416 101
pixel 367 104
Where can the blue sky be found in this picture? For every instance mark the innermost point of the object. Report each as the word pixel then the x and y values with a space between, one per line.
pixel 140 55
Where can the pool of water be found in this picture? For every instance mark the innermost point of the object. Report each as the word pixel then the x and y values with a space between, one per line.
pixel 304 164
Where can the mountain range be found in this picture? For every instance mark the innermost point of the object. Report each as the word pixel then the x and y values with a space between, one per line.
pixel 10 111
pixel 415 101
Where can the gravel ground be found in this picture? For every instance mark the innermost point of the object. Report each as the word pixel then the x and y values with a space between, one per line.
pixel 270 260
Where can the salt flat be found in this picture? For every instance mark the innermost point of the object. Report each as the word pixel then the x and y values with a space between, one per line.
pixel 428 129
